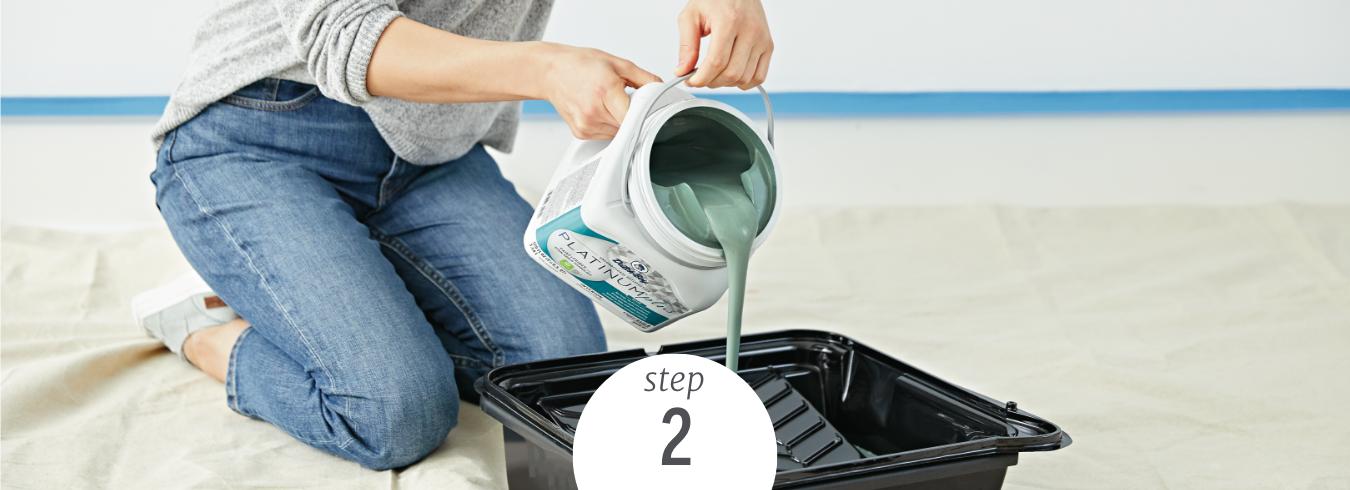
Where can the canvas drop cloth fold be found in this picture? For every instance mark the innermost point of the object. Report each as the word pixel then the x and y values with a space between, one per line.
pixel 1181 347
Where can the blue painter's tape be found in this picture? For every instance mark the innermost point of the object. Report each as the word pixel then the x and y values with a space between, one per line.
pixel 849 103
pixel 940 103
pixel 82 106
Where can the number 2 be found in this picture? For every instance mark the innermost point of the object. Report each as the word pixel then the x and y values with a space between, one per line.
pixel 666 459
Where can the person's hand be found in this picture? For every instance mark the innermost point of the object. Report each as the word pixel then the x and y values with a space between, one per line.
pixel 586 86
pixel 739 47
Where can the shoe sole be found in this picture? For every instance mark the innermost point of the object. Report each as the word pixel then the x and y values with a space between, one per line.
pixel 161 298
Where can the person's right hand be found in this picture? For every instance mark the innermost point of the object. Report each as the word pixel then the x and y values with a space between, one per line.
pixel 586 86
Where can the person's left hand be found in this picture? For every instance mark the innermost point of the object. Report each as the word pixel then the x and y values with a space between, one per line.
pixel 739 47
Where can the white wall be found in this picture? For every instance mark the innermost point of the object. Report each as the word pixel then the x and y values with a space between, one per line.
pixel 96 48
pixel 90 47
pixel 997 45
pixel 91 173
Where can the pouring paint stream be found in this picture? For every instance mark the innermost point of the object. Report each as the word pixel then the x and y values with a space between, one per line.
pixel 710 194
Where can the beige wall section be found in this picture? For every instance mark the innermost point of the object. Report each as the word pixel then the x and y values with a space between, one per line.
pixel 1036 160
pixel 86 173
pixel 77 173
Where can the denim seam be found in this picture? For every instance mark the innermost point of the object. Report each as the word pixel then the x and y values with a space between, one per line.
pixel 447 288
pixel 273 106
pixel 275 300
pixel 232 384
pixel 383 196
pixel 173 139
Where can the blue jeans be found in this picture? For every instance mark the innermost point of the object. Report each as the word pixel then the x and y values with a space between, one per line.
pixel 377 291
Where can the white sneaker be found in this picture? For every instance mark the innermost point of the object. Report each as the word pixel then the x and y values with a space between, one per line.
pixel 175 310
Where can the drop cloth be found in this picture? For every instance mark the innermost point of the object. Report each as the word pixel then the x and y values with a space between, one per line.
pixel 1182 347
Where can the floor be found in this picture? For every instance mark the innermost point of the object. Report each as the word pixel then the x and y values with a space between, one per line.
pixel 1183 347
pixel 1173 290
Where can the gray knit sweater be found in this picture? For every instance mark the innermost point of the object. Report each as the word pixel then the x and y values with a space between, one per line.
pixel 329 42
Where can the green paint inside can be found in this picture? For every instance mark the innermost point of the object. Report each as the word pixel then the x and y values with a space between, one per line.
pixel 714 180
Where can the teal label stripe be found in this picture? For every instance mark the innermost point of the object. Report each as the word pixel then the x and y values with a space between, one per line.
pixel 572 222
pixel 630 305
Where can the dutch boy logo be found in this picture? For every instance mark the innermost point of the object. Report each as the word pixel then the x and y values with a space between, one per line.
pixel 577 254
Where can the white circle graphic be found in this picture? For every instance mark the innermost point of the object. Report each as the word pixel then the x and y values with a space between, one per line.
pixel 674 421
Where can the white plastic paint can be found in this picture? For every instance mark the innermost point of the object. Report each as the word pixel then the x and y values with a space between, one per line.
pixel 601 227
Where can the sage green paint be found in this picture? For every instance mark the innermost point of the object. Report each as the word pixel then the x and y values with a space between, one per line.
pixel 715 182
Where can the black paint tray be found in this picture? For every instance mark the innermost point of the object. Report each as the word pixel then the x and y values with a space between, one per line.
pixel 804 437
pixel 846 416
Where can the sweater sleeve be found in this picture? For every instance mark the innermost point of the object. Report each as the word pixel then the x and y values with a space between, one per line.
pixel 335 39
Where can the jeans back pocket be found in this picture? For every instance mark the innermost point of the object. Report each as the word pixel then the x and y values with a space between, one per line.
pixel 272 94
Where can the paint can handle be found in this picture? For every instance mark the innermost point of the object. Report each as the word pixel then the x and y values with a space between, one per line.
pixel 768 108
pixel 636 142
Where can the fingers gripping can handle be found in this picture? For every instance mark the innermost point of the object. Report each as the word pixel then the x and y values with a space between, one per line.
pixel 768 108
pixel 647 108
